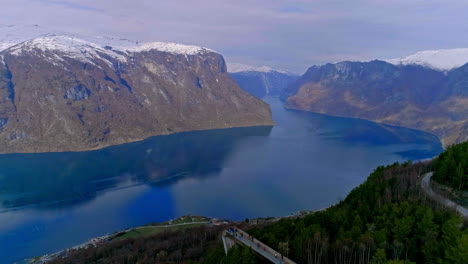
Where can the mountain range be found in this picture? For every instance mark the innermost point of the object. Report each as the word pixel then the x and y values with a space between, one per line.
pixel 426 91
pixel 62 93
pixel 441 60
pixel 261 81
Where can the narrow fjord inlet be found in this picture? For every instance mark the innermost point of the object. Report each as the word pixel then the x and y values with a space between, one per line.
pixel 233 132
pixel 63 199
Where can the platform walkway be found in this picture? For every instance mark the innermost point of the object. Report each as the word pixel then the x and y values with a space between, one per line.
pixel 241 237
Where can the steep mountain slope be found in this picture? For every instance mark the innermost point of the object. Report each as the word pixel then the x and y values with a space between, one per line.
pixel 442 60
pixel 60 93
pixel 261 81
pixel 406 95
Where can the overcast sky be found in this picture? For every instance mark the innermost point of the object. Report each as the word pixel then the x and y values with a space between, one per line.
pixel 291 35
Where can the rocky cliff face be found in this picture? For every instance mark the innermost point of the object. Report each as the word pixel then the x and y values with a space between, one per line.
pixel 405 95
pixel 65 94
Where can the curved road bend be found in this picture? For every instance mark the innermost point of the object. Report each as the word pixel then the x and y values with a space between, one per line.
pixel 425 183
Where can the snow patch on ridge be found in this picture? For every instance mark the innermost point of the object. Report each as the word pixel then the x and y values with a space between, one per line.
pixel 5 45
pixel 442 60
pixel 169 47
pixel 11 35
pixel 239 67
pixel 68 47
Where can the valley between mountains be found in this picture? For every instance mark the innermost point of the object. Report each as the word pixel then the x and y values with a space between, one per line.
pixel 63 93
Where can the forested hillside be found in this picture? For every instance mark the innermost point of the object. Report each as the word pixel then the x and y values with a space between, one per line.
pixel 451 167
pixel 387 219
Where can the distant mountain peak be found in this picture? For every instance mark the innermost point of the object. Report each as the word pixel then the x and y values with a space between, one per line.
pixel 56 47
pixel 441 60
pixel 11 35
pixel 239 67
pixel 47 39
pixel 66 46
pixel 174 48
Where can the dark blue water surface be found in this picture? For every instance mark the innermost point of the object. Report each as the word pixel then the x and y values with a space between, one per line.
pixel 307 161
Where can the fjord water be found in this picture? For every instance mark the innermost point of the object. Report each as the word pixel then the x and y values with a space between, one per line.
pixel 307 161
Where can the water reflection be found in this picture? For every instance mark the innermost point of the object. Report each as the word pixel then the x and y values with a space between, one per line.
pixel 419 144
pixel 65 179
pixel 307 161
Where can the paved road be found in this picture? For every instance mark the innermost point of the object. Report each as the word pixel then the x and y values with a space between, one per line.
pixel 425 183
pixel 260 247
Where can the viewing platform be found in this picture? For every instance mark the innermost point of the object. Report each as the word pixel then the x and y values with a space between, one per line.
pixel 234 236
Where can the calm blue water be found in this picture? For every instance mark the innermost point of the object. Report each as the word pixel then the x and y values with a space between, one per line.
pixel 307 161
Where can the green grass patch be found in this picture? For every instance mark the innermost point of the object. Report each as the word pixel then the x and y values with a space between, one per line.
pixel 183 220
pixel 151 230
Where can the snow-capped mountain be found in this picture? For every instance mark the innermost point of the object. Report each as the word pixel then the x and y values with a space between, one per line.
pixel 260 81
pixel 63 93
pixel 57 48
pixel 413 96
pixel 239 67
pixel 45 38
pixel 174 48
pixel 441 60
pixel 11 35
pixel 14 34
